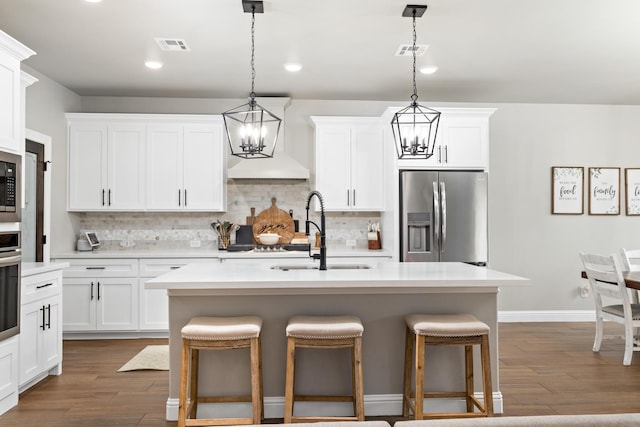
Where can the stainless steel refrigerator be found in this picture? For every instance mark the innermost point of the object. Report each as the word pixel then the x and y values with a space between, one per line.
pixel 443 216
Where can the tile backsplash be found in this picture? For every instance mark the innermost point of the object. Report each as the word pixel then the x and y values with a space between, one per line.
pixel 177 230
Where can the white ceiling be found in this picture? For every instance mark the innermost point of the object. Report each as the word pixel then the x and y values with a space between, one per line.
pixel 549 51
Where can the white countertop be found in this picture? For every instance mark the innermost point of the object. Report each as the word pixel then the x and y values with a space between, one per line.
pixel 137 253
pixel 202 253
pixel 384 277
pixel 31 268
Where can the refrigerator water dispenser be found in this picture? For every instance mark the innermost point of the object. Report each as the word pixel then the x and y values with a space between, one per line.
pixel 419 225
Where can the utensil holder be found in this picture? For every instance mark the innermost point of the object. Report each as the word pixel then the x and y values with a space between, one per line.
pixel 224 242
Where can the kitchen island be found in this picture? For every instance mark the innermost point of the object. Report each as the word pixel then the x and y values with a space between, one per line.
pixel 380 295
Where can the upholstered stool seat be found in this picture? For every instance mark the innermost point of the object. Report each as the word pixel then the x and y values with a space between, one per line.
pixel 219 333
pixel 325 332
pixel 451 330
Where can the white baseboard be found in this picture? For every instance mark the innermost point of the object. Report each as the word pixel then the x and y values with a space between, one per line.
pixel 547 316
pixel 374 405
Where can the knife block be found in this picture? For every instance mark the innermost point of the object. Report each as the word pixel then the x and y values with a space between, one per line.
pixel 373 241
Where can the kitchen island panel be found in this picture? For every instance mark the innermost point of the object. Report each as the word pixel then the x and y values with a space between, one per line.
pixel 380 296
pixel 383 340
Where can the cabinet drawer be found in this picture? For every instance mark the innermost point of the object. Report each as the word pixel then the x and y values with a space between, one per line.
pixel 102 268
pixel 40 286
pixel 153 267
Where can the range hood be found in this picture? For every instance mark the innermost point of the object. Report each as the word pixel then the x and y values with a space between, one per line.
pixel 281 165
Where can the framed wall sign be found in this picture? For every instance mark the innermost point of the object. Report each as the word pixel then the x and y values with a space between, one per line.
pixel 632 191
pixel 604 191
pixel 567 190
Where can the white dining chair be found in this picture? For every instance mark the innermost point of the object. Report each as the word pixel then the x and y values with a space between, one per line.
pixel 606 280
pixel 631 262
pixel 630 259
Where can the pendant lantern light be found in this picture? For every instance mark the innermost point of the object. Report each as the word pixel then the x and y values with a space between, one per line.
pixel 415 127
pixel 251 129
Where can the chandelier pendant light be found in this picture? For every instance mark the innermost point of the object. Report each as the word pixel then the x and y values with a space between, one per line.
pixel 252 130
pixel 415 127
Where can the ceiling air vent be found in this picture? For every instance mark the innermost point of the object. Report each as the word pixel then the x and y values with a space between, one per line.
pixel 173 45
pixel 407 49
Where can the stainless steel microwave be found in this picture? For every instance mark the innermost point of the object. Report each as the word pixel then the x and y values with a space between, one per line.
pixel 10 187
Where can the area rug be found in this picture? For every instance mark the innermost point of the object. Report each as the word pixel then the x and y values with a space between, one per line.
pixel 155 357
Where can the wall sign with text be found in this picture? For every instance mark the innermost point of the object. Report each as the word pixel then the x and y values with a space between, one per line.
pixel 604 191
pixel 632 193
pixel 567 189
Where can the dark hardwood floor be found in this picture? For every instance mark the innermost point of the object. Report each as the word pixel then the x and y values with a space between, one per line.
pixel 545 368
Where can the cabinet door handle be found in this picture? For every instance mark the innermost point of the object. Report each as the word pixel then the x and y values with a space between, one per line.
pixel 95 268
pixel 44 286
pixel 48 316
pixel 348 197
pixel 354 197
pixel 109 198
pixel 178 197
pixel 42 309
pixel 98 290
pixel 185 197
pixel 439 153
pixel 174 267
pixel 103 197
pixel 446 154
pixel 91 291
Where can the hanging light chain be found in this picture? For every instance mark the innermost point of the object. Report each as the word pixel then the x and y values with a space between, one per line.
pixel 253 48
pixel 414 97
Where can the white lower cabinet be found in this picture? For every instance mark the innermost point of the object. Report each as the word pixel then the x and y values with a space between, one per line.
pixel 154 303
pixel 40 328
pixel 8 374
pixel 108 295
pixel 101 304
pixel 100 295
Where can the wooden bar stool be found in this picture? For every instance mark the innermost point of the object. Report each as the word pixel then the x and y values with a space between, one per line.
pixel 219 333
pixel 325 332
pixel 452 330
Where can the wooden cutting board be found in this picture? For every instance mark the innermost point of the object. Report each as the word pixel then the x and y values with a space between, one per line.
pixel 274 220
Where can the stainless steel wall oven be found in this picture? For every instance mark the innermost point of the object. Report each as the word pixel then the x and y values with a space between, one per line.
pixel 10 269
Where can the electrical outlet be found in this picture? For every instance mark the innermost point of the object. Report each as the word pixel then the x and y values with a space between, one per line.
pixel 584 291
pixel 351 243
pixel 194 243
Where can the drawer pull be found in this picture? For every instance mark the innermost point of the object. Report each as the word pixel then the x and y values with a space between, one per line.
pixel 95 268
pixel 44 286
pixel 174 267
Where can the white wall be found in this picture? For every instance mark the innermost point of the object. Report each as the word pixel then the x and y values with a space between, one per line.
pixel 46 103
pixel 526 140
pixel 525 239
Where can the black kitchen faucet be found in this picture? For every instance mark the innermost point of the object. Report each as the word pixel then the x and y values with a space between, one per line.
pixel 322 256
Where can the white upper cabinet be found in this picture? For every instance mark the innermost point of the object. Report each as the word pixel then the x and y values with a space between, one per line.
pixel 12 53
pixel 134 162
pixel 185 169
pixel 106 166
pixel 164 162
pixel 462 141
pixel 349 155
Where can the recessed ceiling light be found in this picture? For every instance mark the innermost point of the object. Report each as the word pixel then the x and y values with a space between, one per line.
pixel 154 65
pixel 429 69
pixel 93 1
pixel 293 67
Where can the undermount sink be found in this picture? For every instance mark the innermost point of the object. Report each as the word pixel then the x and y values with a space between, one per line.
pixel 315 267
